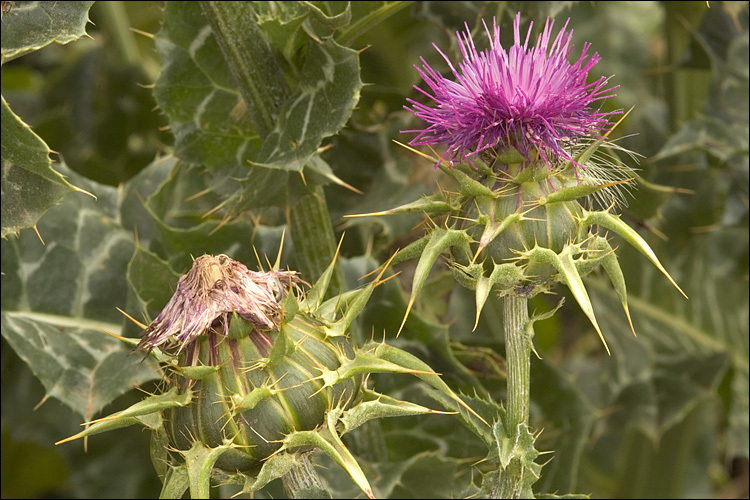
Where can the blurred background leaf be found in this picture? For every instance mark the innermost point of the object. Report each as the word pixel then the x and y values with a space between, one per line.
pixel 665 416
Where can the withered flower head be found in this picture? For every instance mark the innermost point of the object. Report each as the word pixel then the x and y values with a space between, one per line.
pixel 209 294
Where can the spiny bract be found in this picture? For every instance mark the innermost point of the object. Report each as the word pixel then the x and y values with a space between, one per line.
pixel 522 141
pixel 257 375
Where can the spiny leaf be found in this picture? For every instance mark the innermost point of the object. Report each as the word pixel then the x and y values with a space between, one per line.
pixel 29 184
pixel 565 265
pixel 200 461
pixel 328 441
pixel 148 406
pixel 506 275
pixel 380 406
pixel 327 92
pixel 516 452
pixel 519 445
pixel 439 240
pixel 207 113
pixel 35 25
pixel 433 204
pixel 69 292
pixel 613 222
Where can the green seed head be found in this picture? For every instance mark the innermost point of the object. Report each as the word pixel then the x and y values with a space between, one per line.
pixel 253 370
pixel 258 374
pixel 265 388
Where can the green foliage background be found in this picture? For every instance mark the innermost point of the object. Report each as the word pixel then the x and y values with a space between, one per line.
pixel 154 127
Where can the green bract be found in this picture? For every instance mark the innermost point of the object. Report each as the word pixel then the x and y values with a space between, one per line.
pixel 265 389
pixel 264 383
pixel 518 227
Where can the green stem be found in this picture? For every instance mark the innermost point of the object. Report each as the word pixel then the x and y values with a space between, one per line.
pixel 517 353
pixel 250 59
pixel 259 76
pixel 312 234
pixel 302 481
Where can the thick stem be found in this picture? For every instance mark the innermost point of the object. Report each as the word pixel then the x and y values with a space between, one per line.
pixel 259 76
pixel 517 353
pixel 252 62
pixel 302 481
pixel 313 236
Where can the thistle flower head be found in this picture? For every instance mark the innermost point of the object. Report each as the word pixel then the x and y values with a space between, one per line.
pixel 214 289
pixel 531 99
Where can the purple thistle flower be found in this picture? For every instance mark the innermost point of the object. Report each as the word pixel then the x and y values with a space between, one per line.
pixel 528 98
pixel 207 296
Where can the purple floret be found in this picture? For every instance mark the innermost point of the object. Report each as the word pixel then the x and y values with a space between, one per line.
pixel 528 98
